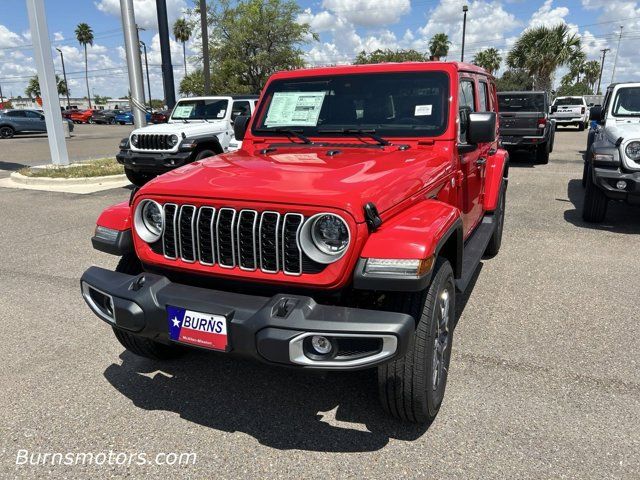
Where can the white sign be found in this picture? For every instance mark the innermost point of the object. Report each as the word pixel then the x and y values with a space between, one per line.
pixel 295 109
pixel 183 111
pixel 422 110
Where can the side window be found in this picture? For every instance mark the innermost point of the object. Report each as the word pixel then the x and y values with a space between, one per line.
pixel 240 107
pixel 466 94
pixel 484 104
pixel 33 115
pixel 16 113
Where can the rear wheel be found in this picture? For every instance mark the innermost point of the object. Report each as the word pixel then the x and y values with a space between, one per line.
pixel 581 126
pixel 6 132
pixel 595 202
pixel 144 347
pixel 493 247
pixel 542 153
pixel 412 387
pixel 121 123
pixel 91 120
pixel 138 178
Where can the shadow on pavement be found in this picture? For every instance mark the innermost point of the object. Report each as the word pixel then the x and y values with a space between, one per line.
pixel 522 159
pixel 281 408
pixel 11 166
pixel 621 217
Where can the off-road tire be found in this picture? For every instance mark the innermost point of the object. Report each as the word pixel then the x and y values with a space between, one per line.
pixel 406 384
pixel 6 132
pixel 204 154
pixel 595 204
pixel 141 346
pixel 493 247
pixel 581 126
pixel 138 178
pixel 542 153
pixel 585 174
pixel 121 123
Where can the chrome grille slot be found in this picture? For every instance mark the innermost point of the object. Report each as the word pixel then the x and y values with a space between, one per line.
pixel 268 242
pixel 226 238
pixel 246 235
pixel 291 254
pixel 169 236
pixel 186 233
pixel 206 237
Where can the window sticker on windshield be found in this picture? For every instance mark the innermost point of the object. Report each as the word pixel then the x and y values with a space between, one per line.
pixel 295 109
pixel 221 113
pixel 183 111
pixel 422 110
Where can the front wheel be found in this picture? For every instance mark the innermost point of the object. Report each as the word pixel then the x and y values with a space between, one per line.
pixel 137 178
pixel 6 132
pixel 141 346
pixel 91 120
pixel 411 388
pixel 585 174
pixel 121 123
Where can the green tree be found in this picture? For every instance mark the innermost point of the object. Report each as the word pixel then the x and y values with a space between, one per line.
pixel 192 85
pixel 252 39
pixel 591 73
pixel 540 51
pixel 439 45
pixel 578 88
pixel 514 79
pixel 182 30
pixel 157 104
pixel 100 99
pixel 84 35
pixel 488 59
pixel 381 56
pixel 33 87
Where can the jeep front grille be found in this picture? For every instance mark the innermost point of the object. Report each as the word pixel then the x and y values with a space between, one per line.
pixel 230 238
pixel 153 141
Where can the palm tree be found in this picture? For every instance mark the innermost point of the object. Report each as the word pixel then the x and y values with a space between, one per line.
pixel 33 88
pixel 488 59
pixel 182 31
pixel 439 45
pixel 541 50
pixel 591 72
pixel 84 35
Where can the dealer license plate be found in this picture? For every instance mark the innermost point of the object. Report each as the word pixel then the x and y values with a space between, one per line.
pixel 197 328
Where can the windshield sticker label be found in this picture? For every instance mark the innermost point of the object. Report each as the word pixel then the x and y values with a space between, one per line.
pixel 295 109
pixel 422 110
pixel 183 111
pixel 221 113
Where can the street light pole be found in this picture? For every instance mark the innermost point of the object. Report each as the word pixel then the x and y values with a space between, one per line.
pixel 464 29
pixel 64 74
pixel 205 46
pixel 604 54
pixel 134 67
pixel 146 66
pixel 615 60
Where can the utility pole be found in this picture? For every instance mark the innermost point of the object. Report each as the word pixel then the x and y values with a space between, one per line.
pixel 464 29
pixel 205 46
pixel 47 79
pixel 615 61
pixel 146 66
pixel 64 74
pixel 604 54
pixel 1 97
pixel 134 65
pixel 165 53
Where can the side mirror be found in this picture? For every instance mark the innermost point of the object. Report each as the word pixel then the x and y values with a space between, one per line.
pixel 554 108
pixel 595 113
pixel 240 126
pixel 481 127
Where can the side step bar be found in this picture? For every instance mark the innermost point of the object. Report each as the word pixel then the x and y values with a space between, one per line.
pixel 474 250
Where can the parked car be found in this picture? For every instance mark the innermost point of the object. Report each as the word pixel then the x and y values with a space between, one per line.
pixel 160 116
pixel 83 116
pixel 570 111
pixel 199 127
pixel 336 238
pixel 525 123
pixel 24 121
pixel 612 162
pixel 127 118
pixel 106 116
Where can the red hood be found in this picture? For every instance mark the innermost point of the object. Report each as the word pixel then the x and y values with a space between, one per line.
pixel 308 176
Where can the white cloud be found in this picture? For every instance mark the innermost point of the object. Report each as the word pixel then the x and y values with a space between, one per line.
pixel 9 38
pixel 58 36
pixel 320 22
pixel 145 11
pixel 548 16
pixel 369 12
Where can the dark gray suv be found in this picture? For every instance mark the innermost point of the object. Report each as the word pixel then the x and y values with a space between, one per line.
pixel 23 121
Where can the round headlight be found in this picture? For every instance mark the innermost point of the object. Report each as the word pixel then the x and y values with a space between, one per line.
pixel 134 140
pixel 149 220
pixel 173 140
pixel 633 151
pixel 325 237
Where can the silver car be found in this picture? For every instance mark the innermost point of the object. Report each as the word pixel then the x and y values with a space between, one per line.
pixel 23 121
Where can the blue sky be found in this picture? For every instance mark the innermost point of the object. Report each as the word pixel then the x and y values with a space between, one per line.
pixel 345 28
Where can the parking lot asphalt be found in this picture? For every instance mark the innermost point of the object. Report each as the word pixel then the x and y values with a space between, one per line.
pixel 544 379
pixel 87 142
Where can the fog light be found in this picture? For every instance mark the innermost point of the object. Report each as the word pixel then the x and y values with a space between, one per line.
pixel 621 185
pixel 322 345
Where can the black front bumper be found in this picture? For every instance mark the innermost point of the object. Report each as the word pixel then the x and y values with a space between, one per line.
pixel 153 162
pixel 607 178
pixel 271 330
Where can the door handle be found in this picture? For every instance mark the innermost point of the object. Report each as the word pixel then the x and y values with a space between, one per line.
pixel 481 161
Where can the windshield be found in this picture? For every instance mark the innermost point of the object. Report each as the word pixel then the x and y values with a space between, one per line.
pixel 627 102
pixel 569 101
pixel 521 102
pixel 390 104
pixel 213 109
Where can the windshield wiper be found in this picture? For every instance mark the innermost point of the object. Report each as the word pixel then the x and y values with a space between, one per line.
pixel 371 133
pixel 289 132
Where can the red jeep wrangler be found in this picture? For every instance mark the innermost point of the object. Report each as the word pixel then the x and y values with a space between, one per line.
pixel 363 197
